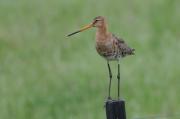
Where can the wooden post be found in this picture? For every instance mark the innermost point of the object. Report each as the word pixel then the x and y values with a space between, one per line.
pixel 115 109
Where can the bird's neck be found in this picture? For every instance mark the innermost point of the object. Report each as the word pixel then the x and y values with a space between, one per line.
pixel 101 33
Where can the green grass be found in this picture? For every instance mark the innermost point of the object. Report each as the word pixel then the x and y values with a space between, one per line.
pixel 45 75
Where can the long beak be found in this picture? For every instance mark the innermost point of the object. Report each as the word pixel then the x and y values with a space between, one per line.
pixel 82 29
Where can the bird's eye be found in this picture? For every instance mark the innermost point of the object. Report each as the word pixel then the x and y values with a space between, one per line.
pixel 98 20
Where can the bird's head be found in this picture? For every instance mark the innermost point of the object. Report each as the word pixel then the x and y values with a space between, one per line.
pixel 97 22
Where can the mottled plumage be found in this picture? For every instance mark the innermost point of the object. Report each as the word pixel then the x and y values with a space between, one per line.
pixel 114 48
pixel 108 46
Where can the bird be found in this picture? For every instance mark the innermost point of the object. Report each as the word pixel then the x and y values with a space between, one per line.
pixel 109 46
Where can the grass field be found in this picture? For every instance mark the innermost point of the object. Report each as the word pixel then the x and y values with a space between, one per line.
pixel 45 75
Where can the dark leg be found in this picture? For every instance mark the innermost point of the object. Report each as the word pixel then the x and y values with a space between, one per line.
pixel 118 77
pixel 110 78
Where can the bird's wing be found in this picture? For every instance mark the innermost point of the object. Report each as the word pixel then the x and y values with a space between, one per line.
pixel 120 40
pixel 123 47
pixel 120 43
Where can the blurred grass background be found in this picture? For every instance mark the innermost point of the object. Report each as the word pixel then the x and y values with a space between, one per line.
pixel 45 75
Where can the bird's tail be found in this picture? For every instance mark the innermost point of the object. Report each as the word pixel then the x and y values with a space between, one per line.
pixel 131 52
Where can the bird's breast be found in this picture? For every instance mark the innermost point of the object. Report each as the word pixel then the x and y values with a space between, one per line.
pixel 105 49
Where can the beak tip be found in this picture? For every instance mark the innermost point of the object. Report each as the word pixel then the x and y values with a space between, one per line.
pixel 84 28
pixel 73 33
